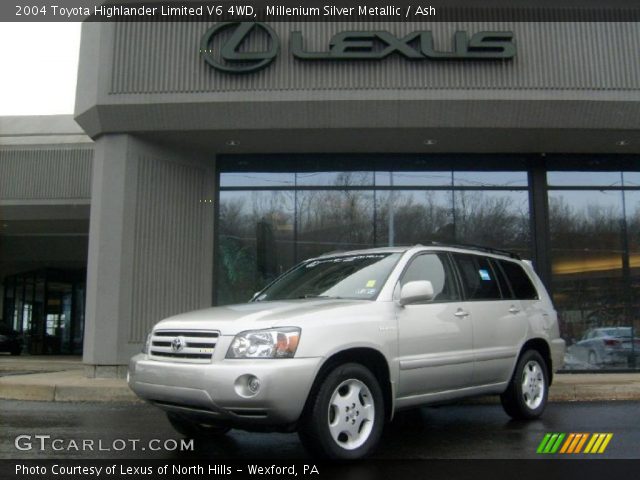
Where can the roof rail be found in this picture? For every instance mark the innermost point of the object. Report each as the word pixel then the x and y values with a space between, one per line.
pixel 480 248
pixel 332 252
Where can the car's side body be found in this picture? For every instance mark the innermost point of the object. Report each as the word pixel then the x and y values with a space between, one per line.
pixel 422 353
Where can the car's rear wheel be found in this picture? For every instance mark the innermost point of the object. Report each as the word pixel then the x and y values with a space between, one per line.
pixel 345 418
pixel 527 393
pixel 192 429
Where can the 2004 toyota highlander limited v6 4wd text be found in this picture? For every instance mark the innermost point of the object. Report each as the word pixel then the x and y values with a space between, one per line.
pixel 336 345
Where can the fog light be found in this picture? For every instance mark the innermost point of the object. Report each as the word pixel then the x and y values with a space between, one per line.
pixel 254 384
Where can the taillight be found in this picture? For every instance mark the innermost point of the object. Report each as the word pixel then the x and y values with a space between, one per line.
pixel 612 343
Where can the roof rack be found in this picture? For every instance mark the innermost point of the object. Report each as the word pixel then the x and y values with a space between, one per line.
pixel 332 252
pixel 480 248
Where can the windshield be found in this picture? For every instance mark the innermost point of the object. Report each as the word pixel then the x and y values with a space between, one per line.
pixel 352 276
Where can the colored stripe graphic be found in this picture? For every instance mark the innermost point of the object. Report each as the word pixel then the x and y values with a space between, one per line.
pixel 567 442
pixel 543 443
pixel 573 443
pixel 576 439
pixel 598 443
pixel 605 443
pixel 581 443
pixel 556 446
pixel 594 437
pixel 550 443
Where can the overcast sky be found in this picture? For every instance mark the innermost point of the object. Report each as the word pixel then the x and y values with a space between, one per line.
pixel 38 67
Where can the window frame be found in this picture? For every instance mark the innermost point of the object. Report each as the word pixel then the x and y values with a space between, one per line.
pixel 445 257
pixel 461 278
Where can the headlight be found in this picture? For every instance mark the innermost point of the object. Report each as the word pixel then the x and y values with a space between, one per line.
pixel 272 343
pixel 147 344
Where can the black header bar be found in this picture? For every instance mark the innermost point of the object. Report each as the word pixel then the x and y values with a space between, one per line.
pixel 319 11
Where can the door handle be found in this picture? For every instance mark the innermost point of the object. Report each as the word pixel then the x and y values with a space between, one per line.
pixel 514 310
pixel 461 313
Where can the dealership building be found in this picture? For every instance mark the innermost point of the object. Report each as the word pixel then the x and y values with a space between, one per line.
pixel 204 159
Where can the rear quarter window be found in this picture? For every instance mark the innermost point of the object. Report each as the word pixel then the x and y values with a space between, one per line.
pixel 520 282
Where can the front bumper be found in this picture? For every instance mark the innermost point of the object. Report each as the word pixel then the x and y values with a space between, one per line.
pixel 212 391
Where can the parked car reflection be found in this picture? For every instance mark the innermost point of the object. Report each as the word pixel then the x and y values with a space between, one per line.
pixel 605 346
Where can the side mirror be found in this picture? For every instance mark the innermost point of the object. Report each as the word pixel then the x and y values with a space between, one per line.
pixel 414 292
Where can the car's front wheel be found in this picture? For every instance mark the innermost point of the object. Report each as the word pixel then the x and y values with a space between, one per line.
pixel 345 418
pixel 527 393
pixel 192 429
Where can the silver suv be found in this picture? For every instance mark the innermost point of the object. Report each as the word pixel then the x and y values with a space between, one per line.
pixel 339 343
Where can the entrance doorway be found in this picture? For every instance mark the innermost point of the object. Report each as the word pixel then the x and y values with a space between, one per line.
pixel 47 308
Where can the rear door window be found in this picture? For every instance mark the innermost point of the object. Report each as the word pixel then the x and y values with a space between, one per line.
pixel 478 278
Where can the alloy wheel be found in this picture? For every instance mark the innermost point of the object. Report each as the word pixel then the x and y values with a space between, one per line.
pixel 533 384
pixel 351 414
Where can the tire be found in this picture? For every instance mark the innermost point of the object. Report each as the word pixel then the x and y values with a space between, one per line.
pixel 526 396
pixel 192 429
pixel 593 358
pixel 345 417
pixel 15 352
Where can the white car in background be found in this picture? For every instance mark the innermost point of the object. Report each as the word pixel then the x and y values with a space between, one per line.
pixel 339 343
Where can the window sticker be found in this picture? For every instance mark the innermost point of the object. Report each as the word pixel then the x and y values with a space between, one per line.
pixel 366 291
pixel 371 283
pixel 484 275
pixel 345 259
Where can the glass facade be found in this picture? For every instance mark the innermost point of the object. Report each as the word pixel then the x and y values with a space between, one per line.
pixel 46 307
pixel 276 211
pixel 270 220
pixel 593 220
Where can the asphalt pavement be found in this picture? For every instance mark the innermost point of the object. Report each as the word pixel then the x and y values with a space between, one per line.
pixel 447 432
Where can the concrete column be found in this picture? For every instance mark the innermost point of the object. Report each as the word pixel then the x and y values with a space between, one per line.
pixel 150 245
pixel 110 249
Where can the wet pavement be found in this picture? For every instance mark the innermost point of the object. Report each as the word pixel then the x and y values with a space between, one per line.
pixel 457 431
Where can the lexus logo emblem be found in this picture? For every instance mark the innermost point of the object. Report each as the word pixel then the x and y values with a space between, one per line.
pixel 229 56
pixel 177 344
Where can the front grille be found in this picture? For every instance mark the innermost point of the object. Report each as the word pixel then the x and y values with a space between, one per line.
pixel 183 345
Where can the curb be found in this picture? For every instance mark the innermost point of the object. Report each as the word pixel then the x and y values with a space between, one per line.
pixel 65 386
pixel 66 393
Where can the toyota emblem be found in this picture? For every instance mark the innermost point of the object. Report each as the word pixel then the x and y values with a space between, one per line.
pixel 177 344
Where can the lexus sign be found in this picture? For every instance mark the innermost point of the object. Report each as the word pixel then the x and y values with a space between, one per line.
pixel 222 46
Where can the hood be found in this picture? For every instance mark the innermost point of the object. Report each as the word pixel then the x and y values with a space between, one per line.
pixel 232 319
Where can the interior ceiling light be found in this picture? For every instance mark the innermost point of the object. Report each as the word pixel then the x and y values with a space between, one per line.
pixel 233 143
pixel 430 141
pixel 622 143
